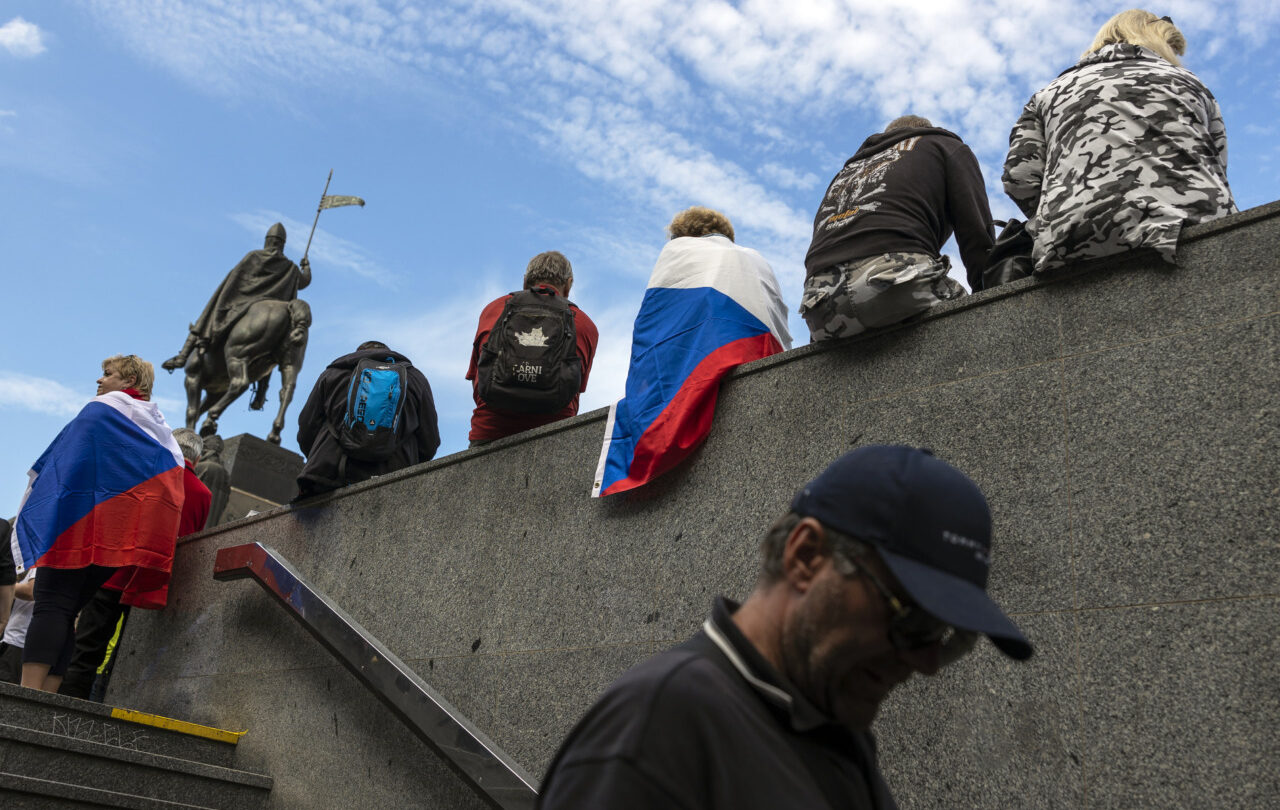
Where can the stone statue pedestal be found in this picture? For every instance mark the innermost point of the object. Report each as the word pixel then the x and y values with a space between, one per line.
pixel 263 476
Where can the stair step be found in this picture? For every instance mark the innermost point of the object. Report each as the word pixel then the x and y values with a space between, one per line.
pixel 30 793
pixel 86 720
pixel 114 769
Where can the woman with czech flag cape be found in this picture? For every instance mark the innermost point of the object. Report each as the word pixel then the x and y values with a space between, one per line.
pixel 102 503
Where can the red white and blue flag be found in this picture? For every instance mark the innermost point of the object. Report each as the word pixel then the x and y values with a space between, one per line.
pixel 710 306
pixel 107 491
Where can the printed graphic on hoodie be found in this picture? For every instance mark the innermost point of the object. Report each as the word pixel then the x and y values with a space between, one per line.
pixel 854 189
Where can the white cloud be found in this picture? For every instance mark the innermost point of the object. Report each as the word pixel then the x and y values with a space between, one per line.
pixel 788 178
pixel 175 410
pixel 327 250
pixel 603 256
pixel 41 395
pixel 1255 19
pixel 608 381
pixel 655 98
pixel 613 142
pixel 51 397
pixel 21 38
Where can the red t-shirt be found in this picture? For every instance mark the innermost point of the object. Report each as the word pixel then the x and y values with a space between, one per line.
pixel 195 508
pixel 487 423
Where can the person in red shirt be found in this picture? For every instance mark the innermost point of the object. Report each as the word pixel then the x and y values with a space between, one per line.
pixel 549 271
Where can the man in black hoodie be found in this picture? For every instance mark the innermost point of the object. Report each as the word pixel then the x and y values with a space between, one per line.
pixel 875 256
pixel 329 466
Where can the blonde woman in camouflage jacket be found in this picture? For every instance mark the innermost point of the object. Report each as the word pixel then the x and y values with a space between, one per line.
pixel 1120 151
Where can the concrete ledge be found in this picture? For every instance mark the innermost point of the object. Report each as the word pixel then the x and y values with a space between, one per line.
pixel 1120 417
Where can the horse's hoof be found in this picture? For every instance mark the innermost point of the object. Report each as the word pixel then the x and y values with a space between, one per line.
pixel 274 438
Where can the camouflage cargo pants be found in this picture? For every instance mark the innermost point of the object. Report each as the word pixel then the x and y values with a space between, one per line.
pixel 863 294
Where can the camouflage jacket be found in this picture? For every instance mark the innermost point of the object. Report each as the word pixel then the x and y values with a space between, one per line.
pixel 1117 153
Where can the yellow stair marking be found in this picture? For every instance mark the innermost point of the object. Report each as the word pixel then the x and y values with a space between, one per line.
pixel 208 732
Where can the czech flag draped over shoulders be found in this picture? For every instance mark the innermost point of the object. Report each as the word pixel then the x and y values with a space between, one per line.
pixel 710 306
pixel 107 492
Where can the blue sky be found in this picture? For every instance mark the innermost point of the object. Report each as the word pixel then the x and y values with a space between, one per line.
pixel 146 145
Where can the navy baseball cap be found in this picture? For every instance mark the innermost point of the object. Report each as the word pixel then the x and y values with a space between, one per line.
pixel 929 523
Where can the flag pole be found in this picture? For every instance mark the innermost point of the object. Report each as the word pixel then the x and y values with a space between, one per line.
pixel 319 208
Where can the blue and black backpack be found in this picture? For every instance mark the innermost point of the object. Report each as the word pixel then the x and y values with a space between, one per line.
pixel 372 427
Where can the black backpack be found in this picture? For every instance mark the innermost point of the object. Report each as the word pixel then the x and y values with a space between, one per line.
pixel 1010 256
pixel 372 427
pixel 530 362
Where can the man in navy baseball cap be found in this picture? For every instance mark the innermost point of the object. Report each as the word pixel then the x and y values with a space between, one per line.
pixel 877 573
pixel 930 525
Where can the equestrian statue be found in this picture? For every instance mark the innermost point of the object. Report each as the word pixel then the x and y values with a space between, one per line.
pixel 253 324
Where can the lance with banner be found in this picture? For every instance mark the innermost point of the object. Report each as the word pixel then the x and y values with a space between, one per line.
pixel 328 200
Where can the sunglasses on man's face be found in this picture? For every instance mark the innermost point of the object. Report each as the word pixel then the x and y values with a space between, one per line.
pixel 910 626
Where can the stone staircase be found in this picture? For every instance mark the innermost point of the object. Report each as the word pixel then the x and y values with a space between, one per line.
pixel 60 752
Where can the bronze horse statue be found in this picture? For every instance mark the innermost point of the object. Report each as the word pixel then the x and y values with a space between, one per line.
pixel 269 334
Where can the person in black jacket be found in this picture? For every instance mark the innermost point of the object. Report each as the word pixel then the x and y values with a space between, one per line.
pixel 418 435
pixel 875 256
pixel 877 573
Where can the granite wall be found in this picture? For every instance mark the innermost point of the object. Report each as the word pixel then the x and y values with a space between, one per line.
pixel 1121 419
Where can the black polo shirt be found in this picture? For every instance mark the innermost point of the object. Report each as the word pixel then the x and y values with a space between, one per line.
pixel 710 724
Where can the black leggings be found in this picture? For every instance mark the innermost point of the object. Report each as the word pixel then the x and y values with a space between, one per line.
pixel 59 595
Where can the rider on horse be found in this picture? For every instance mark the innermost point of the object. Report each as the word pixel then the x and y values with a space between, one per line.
pixel 262 275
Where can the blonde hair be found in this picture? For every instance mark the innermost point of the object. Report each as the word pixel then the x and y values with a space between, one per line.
pixel 699 221
pixel 131 365
pixel 1138 27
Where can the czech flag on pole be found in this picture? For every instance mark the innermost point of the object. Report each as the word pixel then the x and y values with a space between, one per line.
pixel 107 492
pixel 710 306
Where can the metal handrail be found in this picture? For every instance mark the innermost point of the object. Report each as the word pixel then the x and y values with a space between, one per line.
pixel 486 768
